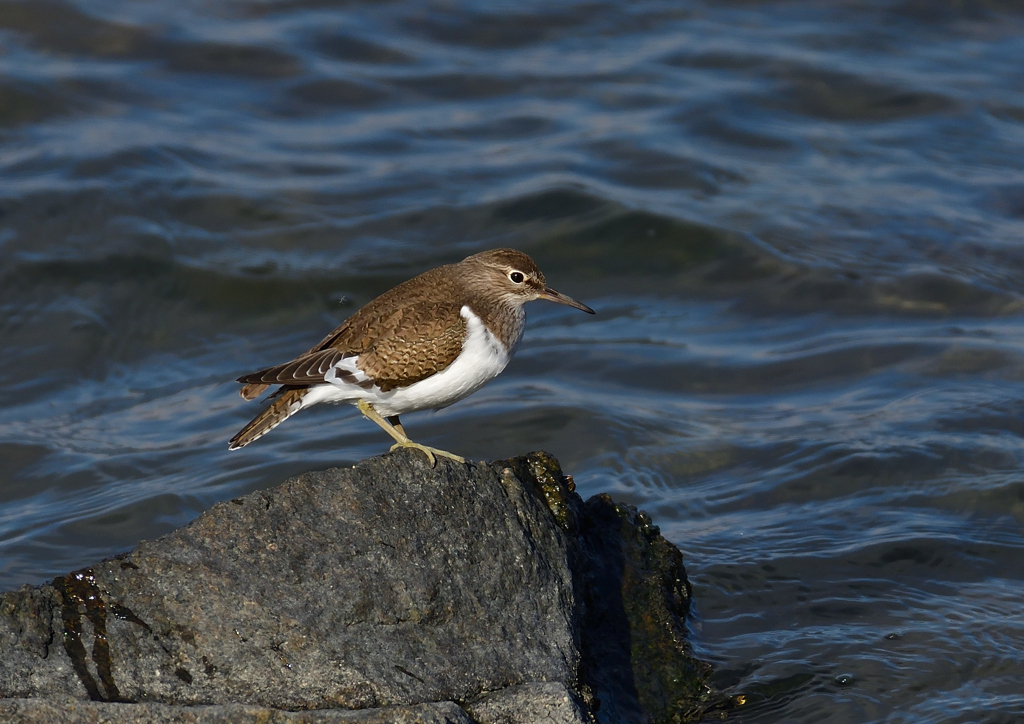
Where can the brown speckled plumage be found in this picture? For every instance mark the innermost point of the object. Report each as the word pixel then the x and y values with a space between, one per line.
pixel 412 331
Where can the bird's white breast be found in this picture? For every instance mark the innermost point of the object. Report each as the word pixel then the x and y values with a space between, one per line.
pixel 483 357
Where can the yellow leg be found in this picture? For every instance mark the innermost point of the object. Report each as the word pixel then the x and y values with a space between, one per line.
pixel 396 431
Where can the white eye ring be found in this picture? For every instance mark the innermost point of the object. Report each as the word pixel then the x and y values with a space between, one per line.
pixel 516 277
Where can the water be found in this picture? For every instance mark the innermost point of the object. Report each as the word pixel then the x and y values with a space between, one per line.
pixel 800 224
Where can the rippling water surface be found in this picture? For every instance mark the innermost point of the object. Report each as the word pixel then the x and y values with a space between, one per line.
pixel 800 224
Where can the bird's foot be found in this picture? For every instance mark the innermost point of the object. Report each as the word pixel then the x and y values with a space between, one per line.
pixel 430 452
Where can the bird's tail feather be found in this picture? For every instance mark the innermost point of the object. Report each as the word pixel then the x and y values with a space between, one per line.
pixel 252 391
pixel 287 404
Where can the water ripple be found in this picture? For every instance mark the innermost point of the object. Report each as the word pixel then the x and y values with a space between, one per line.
pixel 799 225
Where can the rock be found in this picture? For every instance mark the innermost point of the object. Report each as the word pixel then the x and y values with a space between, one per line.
pixel 379 588
pixel 548 703
pixel 75 711
pixel 637 597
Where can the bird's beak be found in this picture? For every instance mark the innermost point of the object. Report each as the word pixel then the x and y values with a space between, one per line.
pixel 552 296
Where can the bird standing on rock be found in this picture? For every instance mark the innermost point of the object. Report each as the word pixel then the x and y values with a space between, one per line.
pixel 425 344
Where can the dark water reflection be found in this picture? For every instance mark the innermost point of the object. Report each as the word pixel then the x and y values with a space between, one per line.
pixel 800 224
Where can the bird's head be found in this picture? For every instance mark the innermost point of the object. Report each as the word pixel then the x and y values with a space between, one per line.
pixel 514 278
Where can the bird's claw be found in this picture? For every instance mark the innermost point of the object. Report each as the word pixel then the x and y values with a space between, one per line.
pixel 430 452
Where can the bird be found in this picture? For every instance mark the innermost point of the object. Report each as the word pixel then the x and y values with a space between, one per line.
pixel 425 344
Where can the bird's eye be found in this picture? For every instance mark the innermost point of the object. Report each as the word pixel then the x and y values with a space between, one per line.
pixel 516 277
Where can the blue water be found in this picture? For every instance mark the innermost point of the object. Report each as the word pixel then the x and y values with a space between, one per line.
pixel 800 224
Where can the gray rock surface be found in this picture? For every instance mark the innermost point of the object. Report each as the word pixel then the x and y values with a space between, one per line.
pixel 391 584
pixel 74 711
pixel 548 703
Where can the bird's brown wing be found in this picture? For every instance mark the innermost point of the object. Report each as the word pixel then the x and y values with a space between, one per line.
pixel 395 346
pixel 408 344
pixel 309 369
pixel 313 363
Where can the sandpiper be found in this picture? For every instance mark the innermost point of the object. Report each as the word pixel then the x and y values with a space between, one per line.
pixel 425 344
